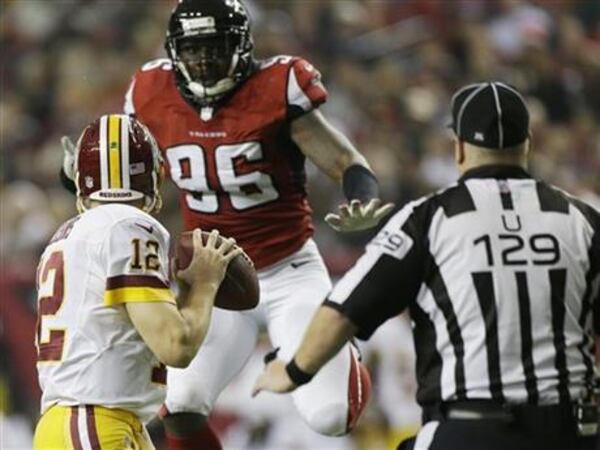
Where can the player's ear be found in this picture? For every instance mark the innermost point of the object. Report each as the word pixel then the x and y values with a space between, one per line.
pixel 529 143
pixel 459 151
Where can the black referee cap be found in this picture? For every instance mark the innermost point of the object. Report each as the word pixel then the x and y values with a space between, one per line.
pixel 492 115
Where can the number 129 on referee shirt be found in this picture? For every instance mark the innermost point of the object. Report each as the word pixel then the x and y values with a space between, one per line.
pixel 539 249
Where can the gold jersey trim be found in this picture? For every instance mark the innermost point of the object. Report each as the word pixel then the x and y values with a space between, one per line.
pixel 137 295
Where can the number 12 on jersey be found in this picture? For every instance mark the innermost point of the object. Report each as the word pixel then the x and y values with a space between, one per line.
pixel 51 294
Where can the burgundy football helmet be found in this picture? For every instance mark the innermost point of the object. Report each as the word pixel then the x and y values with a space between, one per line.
pixel 117 160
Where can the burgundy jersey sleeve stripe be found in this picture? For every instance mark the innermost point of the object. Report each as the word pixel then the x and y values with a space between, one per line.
pixel 122 281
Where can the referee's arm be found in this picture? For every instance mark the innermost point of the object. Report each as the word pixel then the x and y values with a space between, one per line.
pixel 598 351
pixel 596 306
pixel 380 286
pixel 594 275
pixel 595 282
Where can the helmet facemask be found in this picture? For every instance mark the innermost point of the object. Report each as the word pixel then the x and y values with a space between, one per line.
pixel 211 55
pixel 208 63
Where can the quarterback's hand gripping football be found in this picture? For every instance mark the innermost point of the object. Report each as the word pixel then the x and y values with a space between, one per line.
pixel 273 379
pixel 356 216
pixel 209 262
pixel 68 157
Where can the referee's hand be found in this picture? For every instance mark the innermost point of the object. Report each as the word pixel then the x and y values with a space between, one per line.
pixel 273 379
pixel 356 216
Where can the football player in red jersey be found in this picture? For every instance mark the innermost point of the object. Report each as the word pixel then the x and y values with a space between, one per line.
pixel 235 132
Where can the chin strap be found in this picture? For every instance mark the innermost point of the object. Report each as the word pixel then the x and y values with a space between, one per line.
pixel 221 87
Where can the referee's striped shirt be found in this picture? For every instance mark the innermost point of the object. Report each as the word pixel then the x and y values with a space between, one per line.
pixel 501 275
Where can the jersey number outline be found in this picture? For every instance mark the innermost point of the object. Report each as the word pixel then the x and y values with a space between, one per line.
pixel 51 349
pixel 188 167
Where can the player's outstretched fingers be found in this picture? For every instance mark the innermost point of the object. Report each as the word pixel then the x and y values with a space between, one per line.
pixel 274 379
pixel 371 207
pixel 344 210
pixel 265 380
pixel 334 221
pixel 355 207
pixel 68 157
pixel 383 211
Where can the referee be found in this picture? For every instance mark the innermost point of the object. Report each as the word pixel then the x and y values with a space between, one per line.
pixel 501 275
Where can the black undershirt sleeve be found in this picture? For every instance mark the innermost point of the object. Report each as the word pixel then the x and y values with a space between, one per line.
pixel 360 183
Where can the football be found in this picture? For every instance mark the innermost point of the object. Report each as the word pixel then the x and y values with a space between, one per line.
pixel 239 289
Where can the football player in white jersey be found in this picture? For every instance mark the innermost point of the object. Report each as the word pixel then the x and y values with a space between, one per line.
pixel 107 319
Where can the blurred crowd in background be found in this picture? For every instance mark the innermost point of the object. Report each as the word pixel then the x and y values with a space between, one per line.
pixel 390 67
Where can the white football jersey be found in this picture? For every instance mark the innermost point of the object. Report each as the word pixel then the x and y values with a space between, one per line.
pixel 89 352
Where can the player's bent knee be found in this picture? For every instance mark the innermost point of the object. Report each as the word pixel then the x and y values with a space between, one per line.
pixel 184 396
pixel 339 418
pixel 329 419
pixel 183 424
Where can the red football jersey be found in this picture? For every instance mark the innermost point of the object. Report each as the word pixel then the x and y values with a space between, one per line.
pixel 236 166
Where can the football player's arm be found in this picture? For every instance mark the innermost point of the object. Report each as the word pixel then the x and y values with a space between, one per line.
pixel 329 149
pixel 596 321
pixel 327 333
pixel 334 154
pixel 595 262
pixel 597 339
pixel 173 333
pixel 380 286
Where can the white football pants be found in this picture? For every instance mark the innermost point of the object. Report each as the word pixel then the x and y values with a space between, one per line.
pixel 291 291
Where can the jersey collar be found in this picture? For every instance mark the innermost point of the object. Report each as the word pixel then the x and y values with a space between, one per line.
pixel 495 171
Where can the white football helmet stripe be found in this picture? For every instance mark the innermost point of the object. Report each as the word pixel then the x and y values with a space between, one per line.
pixel 104 184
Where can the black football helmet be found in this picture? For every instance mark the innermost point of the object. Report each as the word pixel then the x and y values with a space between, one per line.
pixel 210 45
